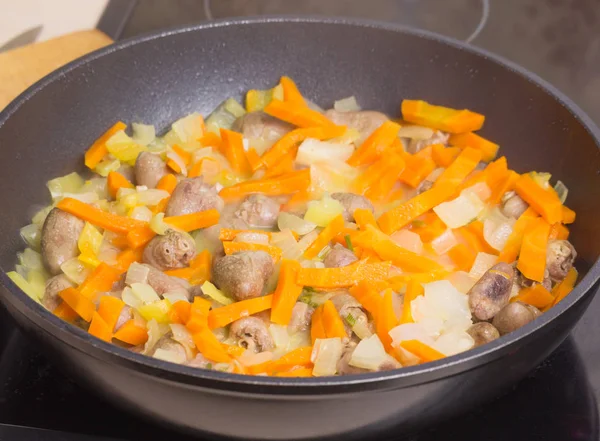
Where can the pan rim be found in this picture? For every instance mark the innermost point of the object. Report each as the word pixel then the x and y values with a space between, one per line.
pixel 446 367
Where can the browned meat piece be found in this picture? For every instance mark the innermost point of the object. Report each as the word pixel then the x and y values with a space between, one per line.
pixel 492 291
pixel 344 367
pixel 301 316
pixel 258 210
pixel 173 250
pixel 483 332
pixel 350 310
pixel 54 285
pixel 416 145
pixel 242 275
pixel 339 256
pixel 352 202
pixel 60 233
pixel 252 333
pixel 193 195
pixel 200 361
pixel 162 283
pixel 168 344
pixel 512 317
pixel 513 205
pixel 149 169
pixel 365 121
pixel 528 283
pixel 260 125
pixel 559 259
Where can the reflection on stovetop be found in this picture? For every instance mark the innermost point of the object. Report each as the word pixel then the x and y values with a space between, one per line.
pixel 556 402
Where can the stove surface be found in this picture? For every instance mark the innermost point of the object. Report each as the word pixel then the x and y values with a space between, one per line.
pixel 557 39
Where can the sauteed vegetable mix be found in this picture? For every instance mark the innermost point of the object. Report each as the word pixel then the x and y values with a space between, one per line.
pixel 281 239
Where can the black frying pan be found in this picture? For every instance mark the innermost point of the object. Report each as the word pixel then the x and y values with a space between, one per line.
pixel 159 78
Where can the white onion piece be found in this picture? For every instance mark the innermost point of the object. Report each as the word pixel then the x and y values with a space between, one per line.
pixel 462 281
pixel 496 234
pixel 188 128
pixel 170 356
pixel 346 105
pixel 286 241
pixel 325 355
pixel 410 331
pixel 280 336
pixel 454 342
pixel 562 191
pixel 75 270
pixel 142 213
pixel 130 299
pixel 419 133
pixel 313 151
pixel 89 197
pixel 158 225
pixel 137 273
pixel 444 242
pixel 176 296
pixel 483 262
pixel 481 190
pixel 144 292
pixel 249 358
pixel 460 211
pixel 155 332
pixel 361 329
pixel 143 134
pixel 408 240
pixel 184 337
pixel 32 235
pixel 252 237
pixel 294 223
pixel 305 242
pixel 368 354
pixel 31 259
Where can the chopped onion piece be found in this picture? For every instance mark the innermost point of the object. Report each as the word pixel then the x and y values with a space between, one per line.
pixel 295 223
pixel 75 270
pixel 170 356
pixel 332 176
pixel 182 336
pixel 249 358
pixel 137 273
pixel 483 262
pixel 158 225
pixel 37 282
pixel 481 190
pixel 325 355
pixel 280 336
pixel 216 294
pixel 346 105
pixel 409 331
pixel 144 292
pixel 31 259
pixel 233 107
pixel 444 242
pixel 361 329
pixel 497 234
pixel 107 165
pixel 460 211
pixel 130 299
pixel 454 342
pixel 89 197
pixel 408 240
pixel 290 248
pixel 418 133
pixel 176 296
pixel 177 159
pixel 188 128
pixel 322 212
pixel 155 333
pixel 462 281
pixel 70 183
pixel 562 191
pixel 305 242
pixel 252 237
pixel 24 285
pixel 369 354
pixel 40 216
pixel 143 134
pixel 313 151
pixel 142 213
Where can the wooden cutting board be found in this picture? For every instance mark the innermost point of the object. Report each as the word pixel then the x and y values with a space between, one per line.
pixel 20 68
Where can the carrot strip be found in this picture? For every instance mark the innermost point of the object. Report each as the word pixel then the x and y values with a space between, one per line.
pixel 65 312
pixel 198 272
pixel 559 231
pixel 317 330
pixel 343 277
pixel 457 172
pixel 368 296
pixel 236 247
pixel 253 159
pixel 285 184
pixel 115 181
pixel 444 156
pixel 126 257
pixel 532 260
pixel 99 328
pixel 441 118
pixel 424 352
pixel 544 201
pixel 406 212
pixel 429 227
pixel 182 309
pixel 488 149
pixel 139 237
pixel 286 293
pixel 418 167
pixel 296 114
pixel 537 296
pixel 291 93
pixel 561 290
pixel 386 319
pixel 476 228
pixel 413 290
pixel 513 244
pixel 233 149
pixel 100 280
pixel 284 165
pixel 401 281
pixel 462 256
pixel 109 310
pixel 174 166
pixel 568 215
pixel 167 183
pixel 374 146
pixel 99 218
pixel 298 198
pixel 186 157
pixel 98 150
pixel 332 322
pixel 194 221
pixel 289 141
pixel 211 139
pixel 132 333
pixel 297 357
pixel 219 317
pixel 325 236
pixel 507 184
pixel 230 234
pixel 364 217
pixel 83 306
pixel 209 346
pixel 198 317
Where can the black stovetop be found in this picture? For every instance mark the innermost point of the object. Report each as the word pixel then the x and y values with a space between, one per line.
pixel 557 39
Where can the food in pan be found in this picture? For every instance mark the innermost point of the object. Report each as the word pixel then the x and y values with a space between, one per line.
pixel 281 239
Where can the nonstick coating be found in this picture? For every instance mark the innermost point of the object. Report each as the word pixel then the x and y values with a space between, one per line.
pixel 159 78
